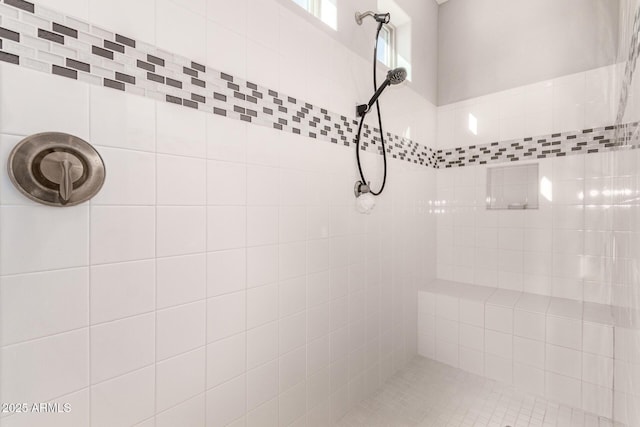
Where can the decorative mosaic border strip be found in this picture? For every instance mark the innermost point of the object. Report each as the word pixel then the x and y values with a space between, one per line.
pixel 555 145
pixel 42 39
pixel 39 38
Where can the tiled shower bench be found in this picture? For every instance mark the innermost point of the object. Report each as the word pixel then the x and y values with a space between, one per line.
pixel 557 348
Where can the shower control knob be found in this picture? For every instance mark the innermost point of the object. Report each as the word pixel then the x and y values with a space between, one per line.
pixel 56 169
pixel 64 169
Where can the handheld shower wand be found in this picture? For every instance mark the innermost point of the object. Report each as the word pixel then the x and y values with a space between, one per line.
pixel 394 77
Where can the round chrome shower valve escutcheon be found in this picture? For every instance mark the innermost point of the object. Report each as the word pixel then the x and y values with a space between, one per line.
pixel 56 169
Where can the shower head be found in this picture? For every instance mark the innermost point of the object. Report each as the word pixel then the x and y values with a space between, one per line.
pixel 397 75
pixel 394 77
pixel 382 18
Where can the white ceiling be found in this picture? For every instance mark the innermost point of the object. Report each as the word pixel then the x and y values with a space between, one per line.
pixel 441 1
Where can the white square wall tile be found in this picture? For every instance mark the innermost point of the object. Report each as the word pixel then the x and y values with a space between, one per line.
pixel 226 227
pixel 598 400
pixel 447 330
pixel 122 346
pixel 292 296
pixel 293 190
pixel 426 323
pixel 498 344
pixel 498 368
pixel 262 225
pixel 226 315
pixel 262 305
pixel 529 325
pixel 318 392
pixel 181 280
pixel 227 402
pixel 181 180
pixel 226 183
pixel 38 238
pixel 472 337
pixel 504 298
pixel 340 315
pixel 138 386
pixel 564 332
pixel 597 339
pixel 447 352
pixel 263 186
pixel 427 346
pixel 447 307
pixel 528 378
pixel 563 361
pixel 317 255
pixel 427 302
pixel 597 370
pixel 318 354
pixel 191 412
pixel 226 272
pixel 472 360
pixel 292 258
pixel 37 305
pixel 472 312
pixel 180 329
pixel 180 378
pixel 293 405
pixel 567 308
pixel 40 370
pixel 139 21
pixel 293 368
pixel 131 178
pixel 265 414
pixel 318 321
pixel 189 37
pixel 226 139
pixel 226 359
pixel 227 50
pixel 262 265
pixel 234 16
pixel 263 142
pixel 257 30
pixel 563 389
pixel 293 333
pixel 121 120
pixel 319 290
pixel 498 318
pixel 51 103
pixel 292 223
pixel 627 342
pixel 318 222
pixel 262 345
pixel 262 384
pixel 180 131
pixel 122 234
pixel 121 290
pixel 529 352
pixel 9 194
pixel 181 230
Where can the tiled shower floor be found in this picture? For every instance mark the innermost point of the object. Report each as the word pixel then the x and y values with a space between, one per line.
pixel 427 393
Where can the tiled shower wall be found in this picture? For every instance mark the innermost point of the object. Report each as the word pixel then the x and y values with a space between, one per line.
pixel 566 248
pixel 222 275
pixel 580 245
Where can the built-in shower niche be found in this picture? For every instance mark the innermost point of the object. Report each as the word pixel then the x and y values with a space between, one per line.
pixel 512 187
